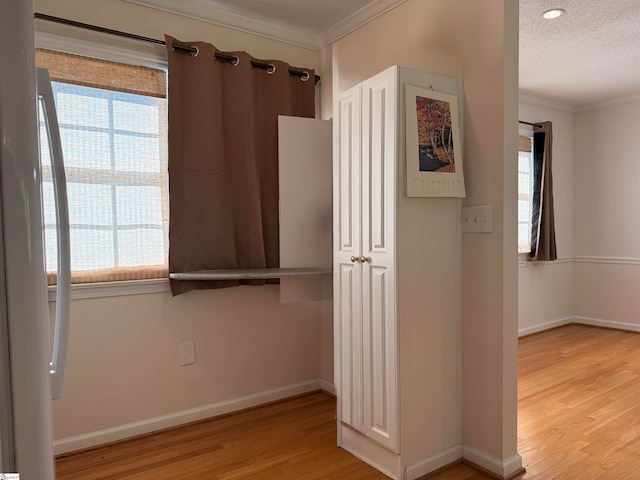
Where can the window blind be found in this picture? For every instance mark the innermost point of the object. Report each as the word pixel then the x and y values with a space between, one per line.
pixel 524 143
pixel 104 74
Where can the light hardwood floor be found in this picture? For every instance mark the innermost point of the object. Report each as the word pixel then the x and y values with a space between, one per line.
pixel 579 404
pixel 291 440
pixel 579 419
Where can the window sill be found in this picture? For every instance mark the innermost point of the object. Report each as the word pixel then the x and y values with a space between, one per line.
pixel 114 289
pixel 523 259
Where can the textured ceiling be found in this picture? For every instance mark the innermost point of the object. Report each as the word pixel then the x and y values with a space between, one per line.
pixel 589 55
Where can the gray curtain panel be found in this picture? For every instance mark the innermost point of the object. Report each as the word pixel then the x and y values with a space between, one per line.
pixel 223 160
pixel 543 233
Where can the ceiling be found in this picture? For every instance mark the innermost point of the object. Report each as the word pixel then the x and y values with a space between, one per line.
pixel 589 55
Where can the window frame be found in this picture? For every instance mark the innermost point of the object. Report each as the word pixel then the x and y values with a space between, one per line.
pixel 525 131
pixel 78 41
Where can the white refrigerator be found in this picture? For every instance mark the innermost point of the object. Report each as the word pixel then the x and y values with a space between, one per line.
pixel 27 374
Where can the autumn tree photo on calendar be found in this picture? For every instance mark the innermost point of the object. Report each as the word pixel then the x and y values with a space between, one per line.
pixel 435 136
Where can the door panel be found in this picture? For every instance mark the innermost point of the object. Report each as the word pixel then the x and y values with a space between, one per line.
pixel 349 175
pixel 351 384
pixel 347 273
pixel 378 287
pixel 380 380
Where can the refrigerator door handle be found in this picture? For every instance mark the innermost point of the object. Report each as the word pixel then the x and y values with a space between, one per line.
pixel 63 288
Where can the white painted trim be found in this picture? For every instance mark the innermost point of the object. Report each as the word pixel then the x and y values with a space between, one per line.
pixel 65 38
pixel 503 468
pixel 595 322
pixel 218 15
pixel 524 262
pixel 363 16
pixel 431 464
pixel 79 41
pixel 114 289
pixel 609 103
pixel 209 13
pixel 598 322
pixel 541 327
pixel 608 260
pixel 559 261
pixel 541 102
pixel 523 259
pixel 370 452
pixel 328 387
pixel 120 432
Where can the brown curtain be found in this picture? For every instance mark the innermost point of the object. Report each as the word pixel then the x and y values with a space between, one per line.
pixel 223 160
pixel 543 233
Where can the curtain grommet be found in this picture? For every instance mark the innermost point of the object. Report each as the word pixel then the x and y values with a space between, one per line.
pixel 235 61
pixel 272 69
pixel 196 53
pixel 305 76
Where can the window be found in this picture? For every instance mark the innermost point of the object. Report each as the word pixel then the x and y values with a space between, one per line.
pixel 113 127
pixel 525 189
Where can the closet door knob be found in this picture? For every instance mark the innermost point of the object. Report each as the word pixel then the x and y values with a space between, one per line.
pixel 364 259
pixel 355 259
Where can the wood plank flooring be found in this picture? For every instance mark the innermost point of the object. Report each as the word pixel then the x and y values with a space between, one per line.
pixel 291 440
pixel 579 419
pixel 579 404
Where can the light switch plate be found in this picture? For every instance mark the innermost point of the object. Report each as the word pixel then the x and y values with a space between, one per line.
pixel 477 219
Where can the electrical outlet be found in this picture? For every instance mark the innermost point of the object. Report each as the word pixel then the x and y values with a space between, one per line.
pixel 187 353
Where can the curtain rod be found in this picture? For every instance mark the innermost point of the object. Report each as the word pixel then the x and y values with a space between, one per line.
pixel 219 56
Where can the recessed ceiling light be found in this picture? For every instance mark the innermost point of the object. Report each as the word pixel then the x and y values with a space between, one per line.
pixel 553 13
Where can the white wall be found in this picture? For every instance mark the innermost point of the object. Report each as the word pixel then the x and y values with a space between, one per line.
pixel 477 42
pixel 595 167
pixel 607 213
pixel 123 354
pixel 489 264
pixel 545 289
pixel 124 363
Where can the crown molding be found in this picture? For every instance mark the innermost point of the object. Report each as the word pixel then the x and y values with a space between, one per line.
pixel 223 17
pixel 356 20
pixel 542 102
pixel 614 102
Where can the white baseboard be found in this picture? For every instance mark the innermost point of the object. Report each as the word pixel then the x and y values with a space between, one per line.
pixel 595 322
pixel 429 465
pixel 598 322
pixel 328 387
pixel 148 425
pixel 541 327
pixel 502 468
